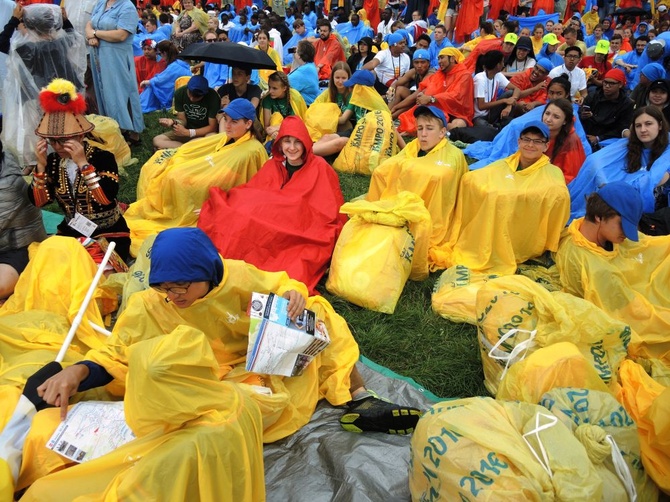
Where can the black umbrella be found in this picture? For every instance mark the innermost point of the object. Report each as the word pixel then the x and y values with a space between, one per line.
pixel 631 11
pixel 229 53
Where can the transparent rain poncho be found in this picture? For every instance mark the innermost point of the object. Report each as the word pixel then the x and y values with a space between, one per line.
pixel 38 54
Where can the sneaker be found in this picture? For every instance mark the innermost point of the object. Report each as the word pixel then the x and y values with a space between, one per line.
pixel 373 414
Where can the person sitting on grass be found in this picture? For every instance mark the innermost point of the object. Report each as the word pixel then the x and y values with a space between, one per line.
pixel 499 204
pixel 401 89
pixel 280 102
pixel 430 167
pixel 604 259
pixel 196 106
pixel 239 86
pixel 157 91
pixel 193 288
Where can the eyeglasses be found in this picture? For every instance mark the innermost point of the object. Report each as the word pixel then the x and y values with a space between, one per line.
pixel 209 41
pixel 572 56
pixel 530 141
pixel 57 141
pixel 609 83
pixel 175 290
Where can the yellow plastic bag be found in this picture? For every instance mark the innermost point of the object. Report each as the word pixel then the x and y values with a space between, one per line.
pixel 648 403
pixel 378 251
pixel 107 130
pixel 482 449
pixel 372 141
pixel 455 294
pixel 516 316
pixel 321 119
pixel 609 435
pixel 558 365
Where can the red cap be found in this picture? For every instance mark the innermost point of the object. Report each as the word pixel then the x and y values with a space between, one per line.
pixel 616 74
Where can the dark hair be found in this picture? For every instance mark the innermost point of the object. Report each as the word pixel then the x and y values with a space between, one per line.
pixel 165 18
pixel 616 36
pixel 635 146
pixel 332 90
pixel 573 48
pixel 596 207
pixel 490 60
pixel 423 36
pixel 566 107
pixel 563 81
pixel 538 25
pixel 264 32
pixel 305 51
pixel 570 31
pixel 169 49
pixel 487 28
pixel 323 22
pixel 441 26
pixel 511 26
pixel 643 38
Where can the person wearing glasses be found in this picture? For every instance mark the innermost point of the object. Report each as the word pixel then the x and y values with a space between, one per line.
pixel 81 178
pixel 576 76
pixel 511 210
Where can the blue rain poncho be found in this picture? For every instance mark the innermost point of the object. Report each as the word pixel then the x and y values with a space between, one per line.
pixel 159 93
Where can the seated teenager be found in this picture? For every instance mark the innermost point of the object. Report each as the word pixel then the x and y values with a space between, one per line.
pixel 196 106
pixel 174 184
pixel 490 84
pixel 286 218
pixel 565 149
pixel 239 87
pixel 604 259
pixel 430 167
pixel 157 92
pixel 532 84
pixel 642 160
pixel 401 89
pixel 194 289
pixel 147 65
pixel 499 204
pixel 280 102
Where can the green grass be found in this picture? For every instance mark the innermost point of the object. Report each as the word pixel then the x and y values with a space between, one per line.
pixel 440 355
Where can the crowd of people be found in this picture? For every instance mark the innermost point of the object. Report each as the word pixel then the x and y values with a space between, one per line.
pixel 539 133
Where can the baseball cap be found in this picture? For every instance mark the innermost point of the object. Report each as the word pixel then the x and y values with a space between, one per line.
pixel 602 47
pixel 433 110
pixel 536 124
pixel 655 48
pixel 550 38
pixel 421 54
pixel 361 77
pixel 660 84
pixel 511 38
pixel 198 85
pixel 662 8
pixel 545 63
pixel 626 201
pixel 394 38
pixel 240 108
pixel 524 43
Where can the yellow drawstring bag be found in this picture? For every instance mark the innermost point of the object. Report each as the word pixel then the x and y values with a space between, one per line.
pixel 516 316
pixel 380 247
pixel 107 130
pixel 372 141
pixel 482 449
pixel 609 435
pixel 455 294
pixel 321 119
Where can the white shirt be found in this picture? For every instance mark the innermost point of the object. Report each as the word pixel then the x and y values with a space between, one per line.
pixel 391 67
pixel 385 29
pixel 277 44
pixel 577 78
pixel 488 89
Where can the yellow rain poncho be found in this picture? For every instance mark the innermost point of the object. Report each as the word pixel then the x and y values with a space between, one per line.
pixel 222 316
pixel 176 182
pixel 197 438
pixel 264 74
pixel 297 104
pixel 435 178
pixel 649 404
pixel 108 132
pixel 630 283
pixel 506 215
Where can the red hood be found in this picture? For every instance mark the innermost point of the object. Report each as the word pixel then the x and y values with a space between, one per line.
pixel 292 126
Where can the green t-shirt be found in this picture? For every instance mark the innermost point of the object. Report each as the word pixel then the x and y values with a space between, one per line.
pixel 199 112
pixel 280 105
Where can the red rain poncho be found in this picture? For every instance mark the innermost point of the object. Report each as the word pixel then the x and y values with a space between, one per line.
pixel 277 223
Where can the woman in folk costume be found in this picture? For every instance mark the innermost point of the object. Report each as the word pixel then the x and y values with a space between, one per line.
pixel 509 211
pixel 304 191
pixel 430 167
pixel 82 179
pixel 175 183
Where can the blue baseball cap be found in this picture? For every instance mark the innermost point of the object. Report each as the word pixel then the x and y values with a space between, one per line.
pixel 545 63
pixel 361 77
pixel 433 110
pixel 198 85
pixel 626 201
pixel 421 54
pixel 240 108
pixel 536 124
pixel 394 38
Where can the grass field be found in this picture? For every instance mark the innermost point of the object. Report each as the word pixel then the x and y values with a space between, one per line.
pixel 440 355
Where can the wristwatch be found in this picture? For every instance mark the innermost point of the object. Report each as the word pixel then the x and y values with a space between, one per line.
pixel 432 99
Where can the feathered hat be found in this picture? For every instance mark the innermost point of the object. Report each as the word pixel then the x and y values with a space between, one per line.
pixel 63 111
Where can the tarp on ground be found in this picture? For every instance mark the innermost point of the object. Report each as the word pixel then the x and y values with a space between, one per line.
pixel 322 461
